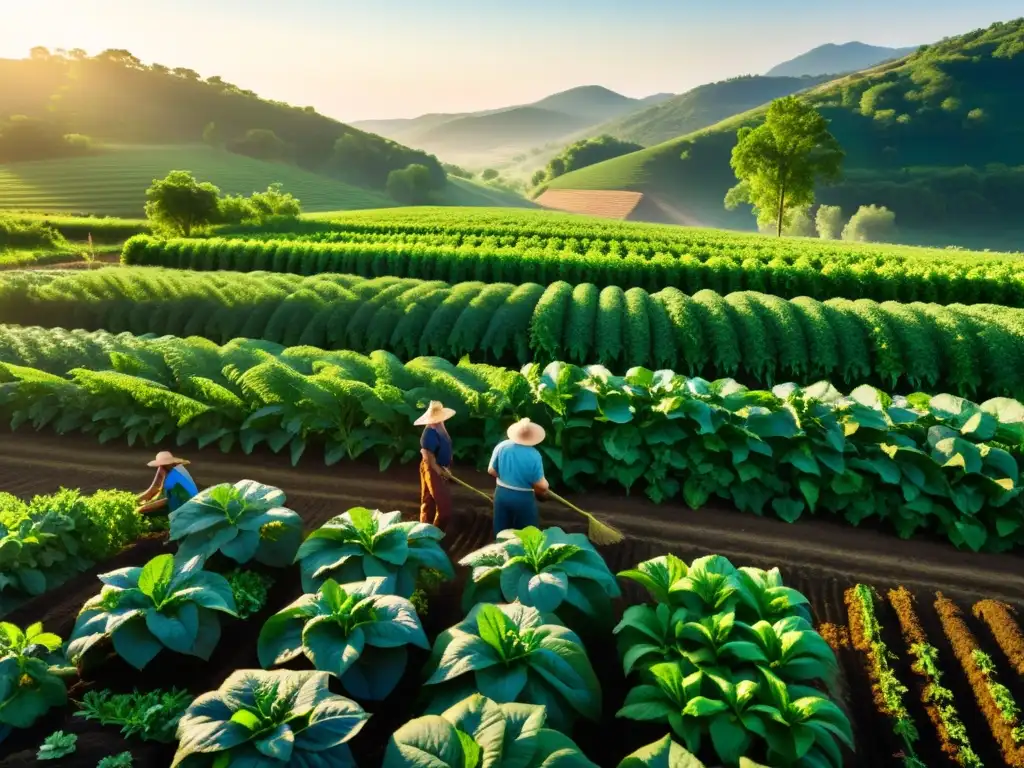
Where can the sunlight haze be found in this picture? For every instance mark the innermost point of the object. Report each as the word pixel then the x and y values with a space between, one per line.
pixel 397 58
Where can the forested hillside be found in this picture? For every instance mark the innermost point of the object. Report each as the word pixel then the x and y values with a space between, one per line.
pixel 115 98
pixel 937 137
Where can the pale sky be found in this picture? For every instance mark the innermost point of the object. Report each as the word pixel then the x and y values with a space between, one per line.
pixel 401 58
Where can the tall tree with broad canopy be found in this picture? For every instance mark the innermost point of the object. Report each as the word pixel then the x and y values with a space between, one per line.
pixel 779 162
pixel 179 204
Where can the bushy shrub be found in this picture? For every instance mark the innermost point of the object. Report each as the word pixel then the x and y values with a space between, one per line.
pixel 800 224
pixel 411 185
pixel 871 224
pixel 24 233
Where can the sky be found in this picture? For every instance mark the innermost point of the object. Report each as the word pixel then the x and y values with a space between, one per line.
pixel 376 59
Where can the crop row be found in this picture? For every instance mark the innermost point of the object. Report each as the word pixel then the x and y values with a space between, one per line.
pixel 994 700
pixel 818 275
pixel 999 618
pixel 762 338
pixel 866 637
pixel 938 700
pixel 938 464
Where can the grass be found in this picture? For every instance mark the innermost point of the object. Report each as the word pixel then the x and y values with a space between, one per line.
pixel 114 182
pixel 18 259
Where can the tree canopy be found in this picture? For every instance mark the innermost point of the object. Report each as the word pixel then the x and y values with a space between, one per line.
pixel 779 162
pixel 180 204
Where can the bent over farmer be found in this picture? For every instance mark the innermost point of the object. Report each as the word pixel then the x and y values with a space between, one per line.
pixel 518 469
pixel 172 486
pixel 436 451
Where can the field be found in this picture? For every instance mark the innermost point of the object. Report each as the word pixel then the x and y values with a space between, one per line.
pixel 114 182
pixel 890 503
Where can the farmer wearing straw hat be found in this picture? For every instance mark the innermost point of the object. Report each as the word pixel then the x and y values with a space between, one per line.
pixel 436 450
pixel 517 467
pixel 172 486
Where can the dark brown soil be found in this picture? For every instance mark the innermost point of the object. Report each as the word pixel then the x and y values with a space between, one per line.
pixel 816 557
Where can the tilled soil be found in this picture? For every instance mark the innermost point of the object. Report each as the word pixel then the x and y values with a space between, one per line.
pixel 817 557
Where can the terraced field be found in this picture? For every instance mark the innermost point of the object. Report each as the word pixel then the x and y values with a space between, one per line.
pixel 889 635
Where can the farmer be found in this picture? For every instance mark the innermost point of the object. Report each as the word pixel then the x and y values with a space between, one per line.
pixel 436 450
pixel 172 486
pixel 517 466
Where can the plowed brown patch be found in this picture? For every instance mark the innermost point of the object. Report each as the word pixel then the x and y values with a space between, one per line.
pixel 608 204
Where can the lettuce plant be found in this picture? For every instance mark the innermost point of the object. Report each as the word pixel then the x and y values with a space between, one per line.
pixel 164 604
pixel 267 720
pixel 31 675
pixel 542 569
pixel 792 724
pixel 245 521
pixel 353 631
pixel 57 745
pixel 363 543
pixel 481 732
pixel 515 654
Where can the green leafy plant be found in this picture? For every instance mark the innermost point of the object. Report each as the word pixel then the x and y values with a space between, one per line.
pixel 164 604
pixel 150 716
pixel 123 760
pixel 266 719
pixel 363 543
pixel 57 745
pixel 739 715
pixel 427 584
pixel 478 732
pixel 249 589
pixel 245 521
pixel 353 631
pixel 31 675
pixel 513 653
pixel 543 569
pixel 667 754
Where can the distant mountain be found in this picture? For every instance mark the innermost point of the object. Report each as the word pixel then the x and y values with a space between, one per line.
pixel 938 138
pixel 701 107
pixel 499 134
pixel 832 59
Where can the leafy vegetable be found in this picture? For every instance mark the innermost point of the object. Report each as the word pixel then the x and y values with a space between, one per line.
pixel 31 675
pixel 245 521
pixel 515 654
pixel 361 544
pixel 123 760
pixel 57 745
pixel 150 716
pixel 353 631
pixel 667 754
pixel 270 719
pixel 480 732
pixel 165 604
pixel 249 589
pixel 542 569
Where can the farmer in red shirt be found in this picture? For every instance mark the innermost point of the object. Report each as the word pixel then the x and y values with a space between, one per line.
pixel 436 450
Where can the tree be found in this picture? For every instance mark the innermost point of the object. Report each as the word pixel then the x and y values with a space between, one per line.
pixel 829 222
pixel 871 224
pixel 779 162
pixel 589 152
pixel 410 185
pixel 185 73
pixel 539 177
pixel 489 174
pixel 180 204
pixel 456 170
pixel 263 144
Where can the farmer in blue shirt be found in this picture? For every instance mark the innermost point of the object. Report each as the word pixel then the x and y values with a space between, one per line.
pixel 436 452
pixel 172 486
pixel 517 466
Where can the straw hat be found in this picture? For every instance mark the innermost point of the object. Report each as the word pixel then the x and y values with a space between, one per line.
pixel 166 459
pixel 525 432
pixel 436 413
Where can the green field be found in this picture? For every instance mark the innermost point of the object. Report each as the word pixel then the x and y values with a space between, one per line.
pixel 114 182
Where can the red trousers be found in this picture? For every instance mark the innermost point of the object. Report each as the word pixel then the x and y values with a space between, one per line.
pixel 435 498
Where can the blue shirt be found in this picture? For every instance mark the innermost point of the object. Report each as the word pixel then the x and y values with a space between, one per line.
pixel 179 488
pixel 519 467
pixel 439 445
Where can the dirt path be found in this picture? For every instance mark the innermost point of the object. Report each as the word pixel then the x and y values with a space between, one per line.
pixel 32 463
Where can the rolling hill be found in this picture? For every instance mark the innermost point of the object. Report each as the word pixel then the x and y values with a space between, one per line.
pixel 833 59
pixel 495 136
pixel 701 107
pixel 937 137
pixel 68 107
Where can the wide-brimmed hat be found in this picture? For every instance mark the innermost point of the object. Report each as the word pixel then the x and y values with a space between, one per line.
pixel 525 432
pixel 436 413
pixel 166 459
